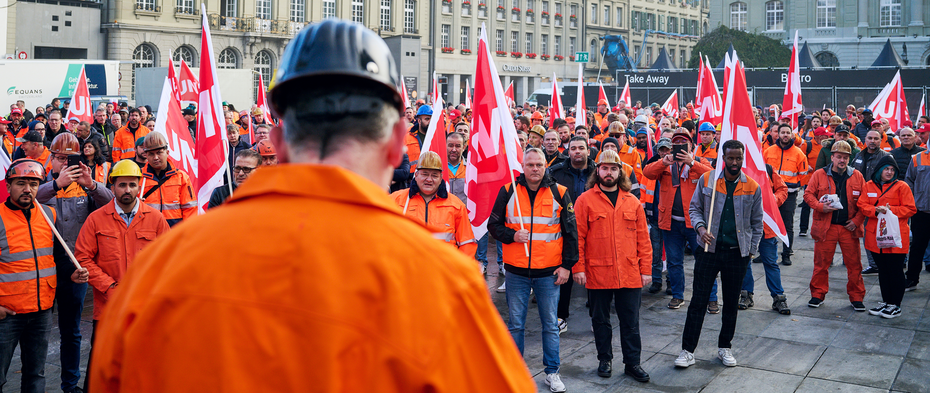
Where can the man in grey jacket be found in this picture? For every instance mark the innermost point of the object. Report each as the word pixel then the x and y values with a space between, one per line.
pixel 732 239
pixel 866 163
pixel 918 178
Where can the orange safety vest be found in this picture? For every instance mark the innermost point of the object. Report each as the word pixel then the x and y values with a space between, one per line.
pixel 542 218
pixel 633 157
pixel 175 198
pixel 124 142
pixel 27 268
pixel 791 164
pixel 101 171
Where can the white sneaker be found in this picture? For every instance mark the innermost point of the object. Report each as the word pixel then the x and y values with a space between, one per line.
pixel 484 270
pixel 685 359
pixel 502 288
pixel 563 326
pixel 554 381
pixel 726 357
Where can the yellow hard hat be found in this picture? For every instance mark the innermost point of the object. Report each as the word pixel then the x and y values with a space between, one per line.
pixel 430 160
pixel 125 168
pixel 609 157
pixel 538 130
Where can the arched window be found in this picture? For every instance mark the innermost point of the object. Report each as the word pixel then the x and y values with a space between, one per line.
pixel 263 65
pixel 144 56
pixel 228 59
pixel 593 51
pixel 738 16
pixel 775 16
pixel 827 59
pixel 184 53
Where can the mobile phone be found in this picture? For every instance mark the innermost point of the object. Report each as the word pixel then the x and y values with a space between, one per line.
pixel 678 148
pixel 74 159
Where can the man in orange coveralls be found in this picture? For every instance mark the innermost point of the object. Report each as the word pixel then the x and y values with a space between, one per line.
pixel 373 303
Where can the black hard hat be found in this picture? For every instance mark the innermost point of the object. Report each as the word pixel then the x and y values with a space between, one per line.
pixel 335 53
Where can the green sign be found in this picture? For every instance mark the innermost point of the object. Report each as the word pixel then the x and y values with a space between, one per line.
pixel 581 57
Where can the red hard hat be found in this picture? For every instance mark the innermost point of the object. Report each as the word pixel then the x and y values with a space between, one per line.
pixel 26 168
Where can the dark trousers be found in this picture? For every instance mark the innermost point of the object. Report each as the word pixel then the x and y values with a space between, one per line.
pixel 732 268
pixel 805 223
pixel 90 356
pixel 890 276
pixel 565 298
pixel 787 216
pixel 30 331
pixel 920 228
pixel 70 298
pixel 628 302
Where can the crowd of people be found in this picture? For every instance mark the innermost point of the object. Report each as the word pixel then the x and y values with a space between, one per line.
pixel 378 301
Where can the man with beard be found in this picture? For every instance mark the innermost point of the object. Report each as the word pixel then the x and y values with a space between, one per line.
pixel 790 162
pixel 565 134
pixel 124 142
pixel 134 223
pixel 164 187
pixel 535 135
pixel 864 124
pixel 551 147
pixel 732 204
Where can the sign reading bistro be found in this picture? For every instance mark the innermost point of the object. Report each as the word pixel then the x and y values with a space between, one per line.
pixel 515 68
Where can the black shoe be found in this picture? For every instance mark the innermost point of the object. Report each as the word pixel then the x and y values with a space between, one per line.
pixel 603 369
pixel 668 291
pixel 656 287
pixel 909 285
pixel 786 260
pixel 757 260
pixel 815 302
pixel 927 268
pixel 858 306
pixel 636 372
pixel 870 270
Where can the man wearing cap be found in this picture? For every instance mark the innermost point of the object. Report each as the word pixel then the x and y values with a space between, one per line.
pixel 677 178
pixel 865 123
pixel 416 134
pixel 791 164
pixel 336 173
pixel 923 132
pixel 247 161
pixel 190 116
pixel 74 194
pixel 34 148
pixel 832 226
pixel 909 148
pixel 125 138
pixel 164 187
pixel 258 117
pixel 268 155
pixel 139 158
pixel 812 149
pixel 17 120
pixel 642 142
pixel 708 147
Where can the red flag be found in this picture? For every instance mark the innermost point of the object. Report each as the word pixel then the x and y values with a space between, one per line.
pixel 80 108
pixel 697 93
pixel 791 104
pixel 625 95
pixel 467 94
pixel 580 107
pixel 211 133
pixel 171 123
pixel 493 153
pixel 670 107
pixel 4 166
pixel 262 104
pixel 891 104
pixel 739 123
pixel 173 79
pixel 555 103
pixel 509 95
pixel 709 105
pixel 435 139
pixel 189 87
pixel 601 94
pixel 403 93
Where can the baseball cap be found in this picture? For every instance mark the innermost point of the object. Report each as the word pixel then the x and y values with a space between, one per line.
pixel 189 112
pixel 140 141
pixel 866 110
pixel 16 111
pixel 664 142
pixel 841 128
pixel 874 122
pixel 4 121
pixel 31 136
pixel 924 128
pixel 821 131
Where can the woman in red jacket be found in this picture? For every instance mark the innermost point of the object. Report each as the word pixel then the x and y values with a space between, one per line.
pixel 882 194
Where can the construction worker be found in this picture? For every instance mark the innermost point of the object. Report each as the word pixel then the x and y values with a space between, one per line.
pixel 74 194
pixel 536 119
pixel 540 248
pixel 707 149
pixel 247 161
pixel 840 134
pixel 627 153
pixel 267 152
pixel 600 117
pixel 791 163
pixel 428 201
pixel 615 261
pixel 455 147
pixel 125 137
pixel 414 138
pixel 812 149
pixel 167 324
pixel 647 196
pixel 536 137
pixel 34 148
pixel 112 236
pixel 27 276
pixel 164 187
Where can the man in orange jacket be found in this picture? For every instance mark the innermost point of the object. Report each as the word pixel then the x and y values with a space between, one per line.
pixel 428 201
pixel 113 235
pixel 791 163
pixel 164 187
pixel 612 233
pixel 124 141
pixel 354 295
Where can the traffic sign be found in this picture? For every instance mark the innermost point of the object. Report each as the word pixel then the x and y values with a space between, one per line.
pixel 22 55
pixel 581 57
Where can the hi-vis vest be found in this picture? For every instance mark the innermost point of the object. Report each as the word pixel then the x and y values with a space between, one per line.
pixel 542 218
pixel 27 268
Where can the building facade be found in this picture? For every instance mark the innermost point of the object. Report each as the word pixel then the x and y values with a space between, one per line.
pixel 52 29
pixel 841 33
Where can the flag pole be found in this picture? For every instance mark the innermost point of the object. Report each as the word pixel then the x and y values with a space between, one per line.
pixel 407 202
pixel 58 235
pixel 526 247
pixel 228 171
pixel 713 200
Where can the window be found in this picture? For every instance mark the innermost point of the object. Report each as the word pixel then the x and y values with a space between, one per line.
pixel 184 53
pixel 147 5
pixel 684 26
pixel 515 16
pixel 671 55
pixel 298 10
pixel 544 44
pixel 262 67
pixel 514 47
pixel 482 12
pixel 774 16
pixel 737 16
pixel 574 12
pixel 649 55
pixel 558 8
pixel 444 38
pixel 447 7
pixel 358 11
pixel 530 5
pixel 661 22
pixel 263 9
pixel 545 6
pixel 891 13
pixel 529 16
pixel 228 59
pixel 500 9
pixel 681 62
pixel 827 59
pixel 410 16
pixel 592 51
pixel 619 16
pixel 571 45
pixel 557 49
pixel 826 14
pixel 385 15
pixel 500 41
pixel 329 9
pixel 594 13
pixel 185 7
pixel 142 57
pixel 651 21
pixel 529 42
pixel 466 10
pixel 606 20
pixel 636 53
pixel 466 32
pixel 545 14
pixel 672 24
pixel 230 8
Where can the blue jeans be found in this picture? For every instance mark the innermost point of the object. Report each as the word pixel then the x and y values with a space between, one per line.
pixel 675 257
pixel 768 254
pixel 30 331
pixel 70 298
pixel 481 255
pixel 547 299
pixel 655 236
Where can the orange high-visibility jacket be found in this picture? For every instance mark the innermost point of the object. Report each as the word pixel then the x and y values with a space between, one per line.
pixel 124 142
pixel 412 140
pixel 790 163
pixel 900 199
pixel 334 286
pixel 633 157
pixel 101 172
pixel 657 171
pixel 175 198
pixel 780 190
pixel 106 247
pixel 614 249
pixel 27 268
pixel 821 184
pixel 812 149
pixel 444 214
pixel 709 153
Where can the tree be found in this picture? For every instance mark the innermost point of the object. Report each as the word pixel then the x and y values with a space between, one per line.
pixel 754 50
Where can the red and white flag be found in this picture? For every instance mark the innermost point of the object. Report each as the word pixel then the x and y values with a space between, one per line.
pixel 739 123
pixel 211 131
pixel 494 156
pixel 922 109
pixel 262 104
pixel 4 166
pixel 403 93
pixel 189 87
pixel 80 108
pixel 173 79
pixel 467 94
pixel 170 122
pixel 556 111
pixel 791 104
pixel 709 104
pixel 580 106
pixel 700 82
pixel 670 107
pixel 435 139
pixel 625 95
pixel 891 104
pixel 601 94
pixel 509 95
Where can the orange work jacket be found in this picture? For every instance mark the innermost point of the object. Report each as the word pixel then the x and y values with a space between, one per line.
pixel 413 149
pixel 444 215
pixel 124 142
pixel 614 250
pixel 708 153
pixel 175 198
pixel 542 217
pixel 657 171
pixel 821 184
pixel 888 144
pixel 901 201
pixel 28 276
pixel 389 308
pixel 780 189
pixel 101 172
pixel 106 246
pixel 790 163
pixel 633 157
pixel 812 149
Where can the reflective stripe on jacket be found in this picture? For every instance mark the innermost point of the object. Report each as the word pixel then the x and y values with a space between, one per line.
pixel 918 178
pixel 790 163
pixel 747 210
pixel 614 249
pixel 124 142
pixel 175 199
pixel 28 276
pixel 899 197
pixel 444 215
pixel 663 174
pixel 822 184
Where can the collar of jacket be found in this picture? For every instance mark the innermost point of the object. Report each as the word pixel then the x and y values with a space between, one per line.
pixel 148 174
pixel 778 143
pixel 829 170
pixel 441 192
pixel 547 180
pixel 110 209
pixel 588 168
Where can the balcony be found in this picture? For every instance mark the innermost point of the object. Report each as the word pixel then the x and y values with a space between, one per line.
pixel 897 31
pixel 255 25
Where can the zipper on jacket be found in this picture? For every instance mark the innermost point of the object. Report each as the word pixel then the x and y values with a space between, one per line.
pixel 35 257
pixel 426 213
pixel 529 261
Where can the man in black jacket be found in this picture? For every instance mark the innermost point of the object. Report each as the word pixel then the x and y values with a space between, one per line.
pixel 864 126
pixel 247 161
pixel 909 148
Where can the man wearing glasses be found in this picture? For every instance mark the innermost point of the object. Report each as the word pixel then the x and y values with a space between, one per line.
pixel 246 162
pixel 166 188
